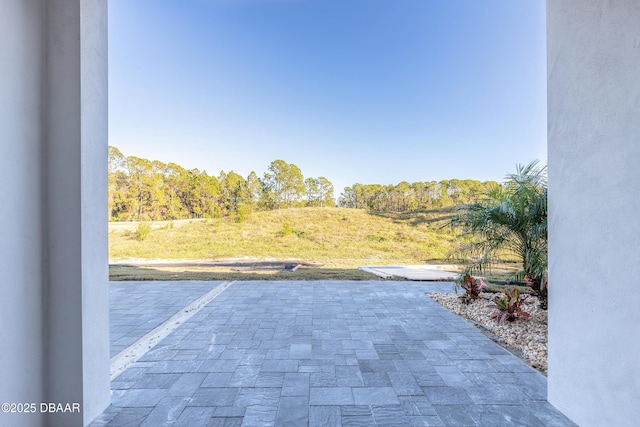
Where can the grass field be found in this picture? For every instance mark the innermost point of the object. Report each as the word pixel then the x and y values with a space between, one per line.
pixel 330 243
pixel 333 236
pixel 333 242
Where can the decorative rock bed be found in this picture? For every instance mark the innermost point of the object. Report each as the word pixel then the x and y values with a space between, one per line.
pixel 528 335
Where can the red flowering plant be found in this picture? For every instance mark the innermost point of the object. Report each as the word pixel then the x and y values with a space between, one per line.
pixel 473 288
pixel 539 288
pixel 509 306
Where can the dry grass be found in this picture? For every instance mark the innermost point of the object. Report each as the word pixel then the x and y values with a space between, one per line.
pixel 334 237
pixel 330 242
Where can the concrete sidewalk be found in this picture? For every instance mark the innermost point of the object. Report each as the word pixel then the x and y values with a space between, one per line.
pixel 429 273
pixel 327 354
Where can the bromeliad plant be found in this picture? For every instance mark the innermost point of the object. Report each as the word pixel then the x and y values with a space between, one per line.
pixel 509 306
pixel 538 289
pixel 473 288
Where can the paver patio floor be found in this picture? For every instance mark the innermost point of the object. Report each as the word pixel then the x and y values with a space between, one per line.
pixel 322 353
pixel 136 308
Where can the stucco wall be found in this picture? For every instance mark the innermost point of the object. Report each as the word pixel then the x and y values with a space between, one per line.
pixel 21 240
pixel 54 337
pixel 594 210
pixel 76 196
pixel 93 205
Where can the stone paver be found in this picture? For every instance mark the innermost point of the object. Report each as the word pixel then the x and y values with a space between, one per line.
pixel 136 308
pixel 329 354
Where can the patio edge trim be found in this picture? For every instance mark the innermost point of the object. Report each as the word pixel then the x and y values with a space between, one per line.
pixel 121 361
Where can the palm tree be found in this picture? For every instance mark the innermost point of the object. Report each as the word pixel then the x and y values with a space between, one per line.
pixel 512 219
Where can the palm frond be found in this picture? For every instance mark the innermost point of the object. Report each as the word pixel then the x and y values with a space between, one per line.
pixel 511 217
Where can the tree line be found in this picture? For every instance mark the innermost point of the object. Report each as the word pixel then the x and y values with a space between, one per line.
pixel 405 197
pixel 142 189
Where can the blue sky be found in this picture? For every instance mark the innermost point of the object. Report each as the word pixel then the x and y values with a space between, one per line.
pixel 369 91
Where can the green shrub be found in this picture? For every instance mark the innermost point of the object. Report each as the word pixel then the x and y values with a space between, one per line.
pixel 142 232
pixel 242 213
pixel 300 233
pixel 288 230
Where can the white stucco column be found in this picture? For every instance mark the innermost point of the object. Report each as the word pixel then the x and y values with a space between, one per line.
pixel 21 204
pixel 594 210
pixel 53 212
pixel 76 197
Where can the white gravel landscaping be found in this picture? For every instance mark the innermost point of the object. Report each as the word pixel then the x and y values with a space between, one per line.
pixel 529 335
